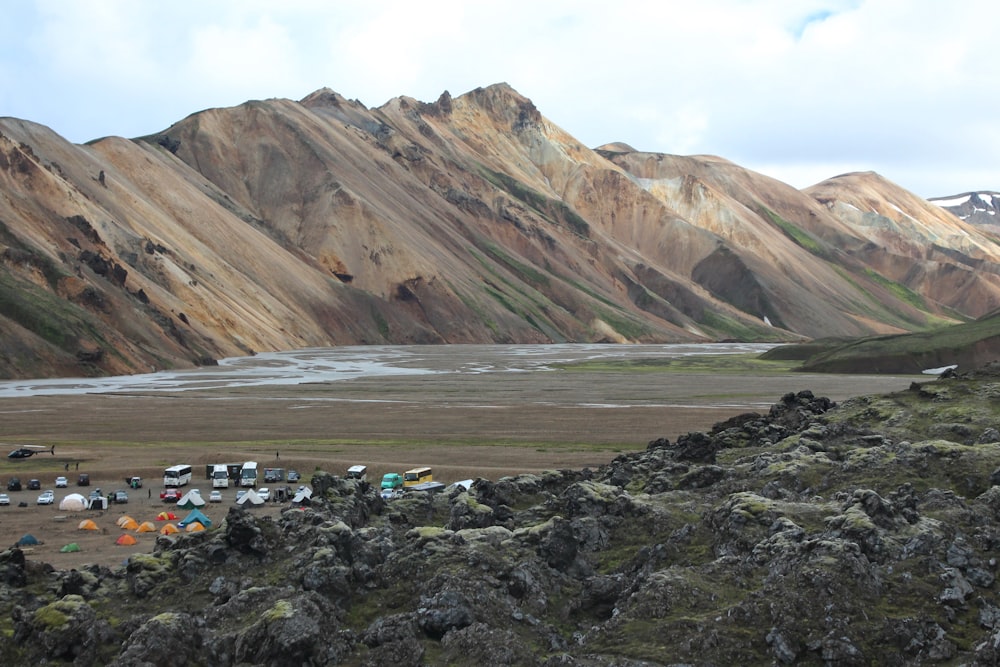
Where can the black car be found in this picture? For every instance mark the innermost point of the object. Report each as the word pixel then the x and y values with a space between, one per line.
pixel 34 485
pixel 83 479
pixel 14 484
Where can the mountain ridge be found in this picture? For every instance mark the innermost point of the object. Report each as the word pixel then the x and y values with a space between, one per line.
pixel 278 224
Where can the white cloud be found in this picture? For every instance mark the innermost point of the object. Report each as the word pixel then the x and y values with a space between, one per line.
pixel 905 87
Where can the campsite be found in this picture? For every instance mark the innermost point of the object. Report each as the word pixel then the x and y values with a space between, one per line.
pixel 464 425
pixel 67 538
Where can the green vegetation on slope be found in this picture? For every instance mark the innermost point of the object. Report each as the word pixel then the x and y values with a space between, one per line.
pixel 968 345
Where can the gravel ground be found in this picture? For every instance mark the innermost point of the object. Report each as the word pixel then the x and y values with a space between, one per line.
pixel 463 425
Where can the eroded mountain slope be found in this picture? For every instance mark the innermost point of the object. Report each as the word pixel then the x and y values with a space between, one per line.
pixel 280 224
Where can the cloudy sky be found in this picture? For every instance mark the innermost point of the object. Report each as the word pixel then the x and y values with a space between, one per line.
pixel 800 90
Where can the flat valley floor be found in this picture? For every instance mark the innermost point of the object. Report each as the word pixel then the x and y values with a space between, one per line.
pixel 464 425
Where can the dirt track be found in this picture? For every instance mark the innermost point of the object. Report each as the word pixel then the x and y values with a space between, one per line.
pixel 482 425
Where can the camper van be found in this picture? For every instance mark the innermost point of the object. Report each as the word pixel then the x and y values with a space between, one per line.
pixel 248 474
pixel 357 472
pixel 220 476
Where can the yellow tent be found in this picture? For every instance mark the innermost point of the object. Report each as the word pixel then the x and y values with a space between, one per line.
pixel 146 527
pixel 125 540
pixel 166 516
pixel 123 519
pixel 194 527
pixel 131 524
pixel 169 529
pixel 88 524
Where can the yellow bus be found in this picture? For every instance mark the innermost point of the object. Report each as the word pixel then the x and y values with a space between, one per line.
pixel 417 476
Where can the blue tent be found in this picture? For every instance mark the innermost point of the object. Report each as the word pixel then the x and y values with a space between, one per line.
pixel 27 541
pixel 194 516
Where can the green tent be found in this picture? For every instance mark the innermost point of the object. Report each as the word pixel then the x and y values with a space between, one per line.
pixel 72 546
pixel 196 515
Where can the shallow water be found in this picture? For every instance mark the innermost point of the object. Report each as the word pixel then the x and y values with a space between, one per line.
pixel 323 365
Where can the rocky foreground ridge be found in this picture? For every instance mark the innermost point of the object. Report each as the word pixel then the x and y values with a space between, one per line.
pixel 852 534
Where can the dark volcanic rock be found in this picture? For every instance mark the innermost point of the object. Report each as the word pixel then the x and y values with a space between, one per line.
pixel 813 534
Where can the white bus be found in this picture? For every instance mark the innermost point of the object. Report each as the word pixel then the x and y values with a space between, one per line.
pixel 220 476
pixel 248 474
pixel 178 475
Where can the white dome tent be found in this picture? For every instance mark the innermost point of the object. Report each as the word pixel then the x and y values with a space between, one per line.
pixel 74 502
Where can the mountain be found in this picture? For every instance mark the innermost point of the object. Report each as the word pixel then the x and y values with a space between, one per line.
pixel 279 224
pixel 976 208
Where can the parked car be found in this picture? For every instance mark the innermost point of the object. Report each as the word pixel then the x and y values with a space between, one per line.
pixel 34 484
pixel 61 482
pixel 264 493
pixel 240 494
pixel 170 495
pixel 47 498
pixel 14 484
pixel 215 497
pixel 120 496
pixel 83 479
pixel 134 482
pixel 292 476
pixel 4 499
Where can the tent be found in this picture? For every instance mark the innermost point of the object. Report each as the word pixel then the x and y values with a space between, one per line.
pixel 28 540
pixel 191 500
pixel 250 497
pixel 130 524
pixel 166 516
pixel 194 527
pixel 74 502
pixel 196 517
pixel 123 519
pixel 146 527
pixel 69 548
pixel 88 524
pixel 169 529
pixel 303 496
pixel 125 540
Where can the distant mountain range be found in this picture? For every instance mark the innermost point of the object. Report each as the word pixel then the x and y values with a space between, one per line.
pixel 978 208
pixel 279 224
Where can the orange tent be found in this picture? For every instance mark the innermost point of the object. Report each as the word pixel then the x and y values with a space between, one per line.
pixel 87 524
pixel 131 524
pixel 146 527
pixel 194 527
pixel 123 519
pixel 125 540
pixel 169 529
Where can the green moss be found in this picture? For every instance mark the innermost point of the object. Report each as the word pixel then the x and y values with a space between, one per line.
pixel 525 272
pixel 281 610
pixel 901 292
pixel 799 236
pixel 729 327
pixel 552 210
pixel 51 617
pixel 58 613
pixel 624 324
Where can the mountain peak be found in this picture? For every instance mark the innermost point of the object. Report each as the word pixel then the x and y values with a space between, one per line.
pixel 473 219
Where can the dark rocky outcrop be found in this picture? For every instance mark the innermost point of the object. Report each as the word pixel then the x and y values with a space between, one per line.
pixel 849 534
